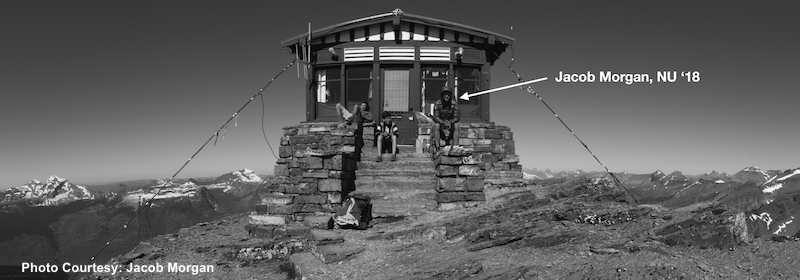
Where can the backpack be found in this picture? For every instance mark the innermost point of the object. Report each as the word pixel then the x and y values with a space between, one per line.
pixel 355 213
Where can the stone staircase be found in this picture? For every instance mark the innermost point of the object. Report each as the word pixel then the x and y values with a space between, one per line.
pixel 405 187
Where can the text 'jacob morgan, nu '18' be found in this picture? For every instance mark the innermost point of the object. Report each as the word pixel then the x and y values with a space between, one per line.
pixel 605 77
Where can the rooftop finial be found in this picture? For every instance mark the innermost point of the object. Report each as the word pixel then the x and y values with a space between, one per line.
pixel 397 12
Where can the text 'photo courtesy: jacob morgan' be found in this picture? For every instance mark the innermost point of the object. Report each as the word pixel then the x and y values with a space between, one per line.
pixel 170 267
pixel 628 78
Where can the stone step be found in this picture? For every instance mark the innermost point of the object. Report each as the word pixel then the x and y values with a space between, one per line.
pixel 398 195
pixel 395 172
pixel 372 156
pixel 400 164
pixel 388 208
pixel 395 183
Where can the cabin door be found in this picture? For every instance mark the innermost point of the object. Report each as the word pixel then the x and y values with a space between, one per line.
pixel 395 89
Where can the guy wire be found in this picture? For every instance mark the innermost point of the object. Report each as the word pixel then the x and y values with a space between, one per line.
pixel 533 92
pixel 149 202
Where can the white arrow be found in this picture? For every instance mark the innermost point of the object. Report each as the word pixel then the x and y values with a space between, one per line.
pixel 467 95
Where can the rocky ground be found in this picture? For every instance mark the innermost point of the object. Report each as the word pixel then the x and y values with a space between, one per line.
pixel 580 229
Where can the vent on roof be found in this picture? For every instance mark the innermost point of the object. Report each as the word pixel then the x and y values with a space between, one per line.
pixel 397 53
pixel 359 54
pixel 434 53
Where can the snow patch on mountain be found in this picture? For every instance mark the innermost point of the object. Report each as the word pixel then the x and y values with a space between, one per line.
pixel 53 191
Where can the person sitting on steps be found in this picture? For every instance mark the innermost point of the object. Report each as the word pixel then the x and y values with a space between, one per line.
pixel 446 115
pixel 386 135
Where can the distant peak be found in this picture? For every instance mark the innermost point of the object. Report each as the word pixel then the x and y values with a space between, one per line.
pixel 55 178
pixel 752 168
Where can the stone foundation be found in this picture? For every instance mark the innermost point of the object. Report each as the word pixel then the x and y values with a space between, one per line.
pixel 483 161
pixel 318 161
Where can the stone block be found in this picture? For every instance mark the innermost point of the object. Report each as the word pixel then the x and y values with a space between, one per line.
pixel 448 160
pixel 315 174
pixel 481 125
pixel 508 135
pixel 330 185
pixel 469 170
pixel 319 222
pixel 298 231
pixel 291 131
pixel 474 196
pixel 510 148
pixel 307 208
pixel 347 149
pixel 369 130
pixel 284 161
pixel 515 167
pixel 335 174
pixel 499 166
pixel 469 160
pixel 482 141
pixel 261 231
pixel 323 237
pixel 276 199
pixel 446 170
pixel 344 131
pixel 336 252
pixel 304 139
pixel 463 133
pixel 299 163
pixel 450 197
pixel 257 219
pixel 285 151
pixel 296 172
pixel 302 130
pixel 482 148
pixel 281 170
pixel 314 163
pixel 311 198
pixel 476 133
pixel 302 188
pixel 332 163
pixel 511 158
pixel 488 158
pixel 280 209
pixel 492 134
pixel 465 141
pixel 348 140
pixel 334 197
pixel 503 128
pixel 284 140
pixel 319 129
pixel 452 184
pixel 260 209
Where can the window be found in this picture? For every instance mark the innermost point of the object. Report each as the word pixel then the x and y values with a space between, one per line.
pixel 468 79
pixel 359 84
pixel 329 85
pixel 433 79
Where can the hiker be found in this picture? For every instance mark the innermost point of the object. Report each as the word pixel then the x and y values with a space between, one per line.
pixel 360 116
pixel 446 115
pixel 386 135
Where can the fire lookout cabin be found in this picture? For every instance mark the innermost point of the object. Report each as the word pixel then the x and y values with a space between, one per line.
pixel 397 62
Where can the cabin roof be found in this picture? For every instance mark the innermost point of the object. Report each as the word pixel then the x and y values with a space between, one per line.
pixel 391 16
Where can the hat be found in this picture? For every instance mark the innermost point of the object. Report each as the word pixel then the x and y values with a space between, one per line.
pixel 386 114
pixel 446 88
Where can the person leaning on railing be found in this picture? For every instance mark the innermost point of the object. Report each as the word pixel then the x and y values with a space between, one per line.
pixel 359 116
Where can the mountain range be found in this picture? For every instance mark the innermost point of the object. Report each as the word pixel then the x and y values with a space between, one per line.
pixel 59 220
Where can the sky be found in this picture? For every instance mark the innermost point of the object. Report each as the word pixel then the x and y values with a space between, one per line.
pixel 104 91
